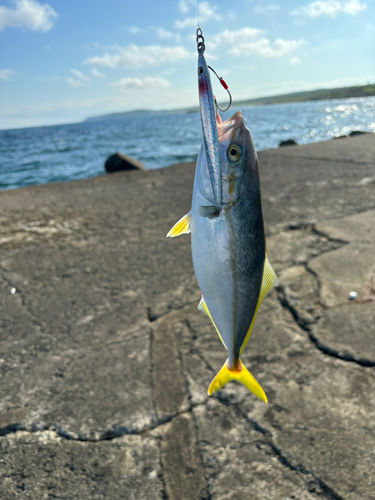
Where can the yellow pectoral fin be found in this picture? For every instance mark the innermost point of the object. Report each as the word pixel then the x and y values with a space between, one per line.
pixel 181 227
pixel 242 375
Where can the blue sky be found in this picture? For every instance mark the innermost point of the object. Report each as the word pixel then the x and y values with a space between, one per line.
pixel 65 60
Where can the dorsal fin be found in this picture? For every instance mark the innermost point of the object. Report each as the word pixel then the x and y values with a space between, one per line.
pixel 269 280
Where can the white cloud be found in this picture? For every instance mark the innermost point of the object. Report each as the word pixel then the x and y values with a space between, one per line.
pixel 27 14
pixel 295 60
pixel 247 42
pixel 134 56
pixel 330 8
pixel 167 35
pixel 6 74
pixel 183 6
pixel 235 37
pixel 80 75
pixel 75 83
pixel 206 12
pixel 149 83
pixel 134 30
pixel 264 48
pixel 80 81
pixel 97 73
pixel 162 33
pixel 260 9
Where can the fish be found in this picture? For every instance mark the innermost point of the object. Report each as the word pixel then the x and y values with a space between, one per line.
pixel 227 231
pixel 229 246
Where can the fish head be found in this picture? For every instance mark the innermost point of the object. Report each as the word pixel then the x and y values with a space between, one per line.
pixel 238 165
pixel 238 159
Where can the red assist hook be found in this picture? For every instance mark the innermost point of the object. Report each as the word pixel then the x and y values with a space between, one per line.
pixel 225 86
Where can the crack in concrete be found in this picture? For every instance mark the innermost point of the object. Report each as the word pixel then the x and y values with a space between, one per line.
pixel 195 350
pixel 208 495
pixel 306 326
pixel 313 484
pixel 339 241
pixel 164 494
pixel 311 224
pixel 152 372
pixel 93 436
pixel 154 317
pixel 339 355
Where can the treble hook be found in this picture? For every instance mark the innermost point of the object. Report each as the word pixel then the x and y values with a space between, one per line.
pixel 226 88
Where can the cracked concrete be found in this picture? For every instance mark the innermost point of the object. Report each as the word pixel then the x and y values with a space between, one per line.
pixel 105 360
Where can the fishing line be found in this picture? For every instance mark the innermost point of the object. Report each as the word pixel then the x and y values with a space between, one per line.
pixel 197 13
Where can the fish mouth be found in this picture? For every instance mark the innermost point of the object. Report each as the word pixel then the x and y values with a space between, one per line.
pixel 227 128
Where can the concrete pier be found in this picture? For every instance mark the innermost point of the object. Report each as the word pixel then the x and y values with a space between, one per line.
pixel 105 360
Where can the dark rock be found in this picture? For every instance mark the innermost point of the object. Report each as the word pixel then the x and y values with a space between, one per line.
pixel 357 132
pixel 118 162
pixel 289 142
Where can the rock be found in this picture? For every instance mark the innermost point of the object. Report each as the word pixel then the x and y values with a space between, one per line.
pixel 357 132
pixel 289 142
pixel 118 162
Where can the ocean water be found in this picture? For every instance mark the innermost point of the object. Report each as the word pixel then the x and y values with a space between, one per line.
pixel 65 152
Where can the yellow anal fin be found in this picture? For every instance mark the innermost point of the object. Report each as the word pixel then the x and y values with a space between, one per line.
pixel 241 375
pixel 269 280
pixel 181 227
pixel 202 306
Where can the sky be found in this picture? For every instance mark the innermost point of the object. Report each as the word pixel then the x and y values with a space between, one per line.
pixel 66 60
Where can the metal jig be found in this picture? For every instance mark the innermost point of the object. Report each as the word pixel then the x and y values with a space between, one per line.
pixel 201 47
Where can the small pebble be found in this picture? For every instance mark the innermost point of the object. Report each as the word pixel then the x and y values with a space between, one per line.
pixel 13 291
pixel 353 295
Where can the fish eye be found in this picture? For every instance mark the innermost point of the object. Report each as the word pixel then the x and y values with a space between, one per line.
pixel 234 152
pixel 200 70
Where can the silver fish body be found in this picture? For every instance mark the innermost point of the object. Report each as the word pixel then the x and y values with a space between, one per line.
pixel 228 248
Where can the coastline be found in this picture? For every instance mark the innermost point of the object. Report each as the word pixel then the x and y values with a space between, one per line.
pixel 105 360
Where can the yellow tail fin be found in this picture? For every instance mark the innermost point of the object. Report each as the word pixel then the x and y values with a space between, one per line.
pixel 241 375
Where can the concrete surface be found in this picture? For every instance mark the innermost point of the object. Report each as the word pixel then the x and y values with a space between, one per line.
pixel 105 360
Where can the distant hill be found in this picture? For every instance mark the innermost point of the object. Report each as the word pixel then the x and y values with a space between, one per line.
pixel 313 95
pixel 310 95
pixel 137 112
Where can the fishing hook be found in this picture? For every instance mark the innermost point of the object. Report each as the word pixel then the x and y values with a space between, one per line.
pixel 225 86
